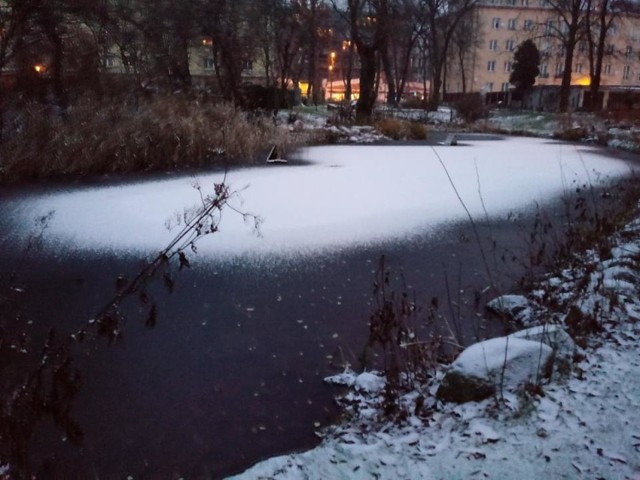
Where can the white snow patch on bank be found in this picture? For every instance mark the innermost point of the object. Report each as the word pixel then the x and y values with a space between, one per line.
pixel 349 195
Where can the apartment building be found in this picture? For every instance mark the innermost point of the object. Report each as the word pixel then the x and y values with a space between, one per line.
pixel 502 25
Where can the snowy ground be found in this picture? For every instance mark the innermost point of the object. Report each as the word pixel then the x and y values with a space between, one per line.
pixel 345 196
pixel 586 425
pixel 579 126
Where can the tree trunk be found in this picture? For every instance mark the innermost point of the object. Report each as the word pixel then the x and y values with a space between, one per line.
pixel 596 67
pixel 388 73
pixel 436 84
pixel 565 86
pixel 368 69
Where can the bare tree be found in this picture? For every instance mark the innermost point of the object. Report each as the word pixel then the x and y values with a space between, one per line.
pixel 569 30
pixel 368 27
pixel 283 33
pixel 166 28
pixel 441 18
pixel 466 38
pixel 399 46
pixel 600 18
pixel 229 23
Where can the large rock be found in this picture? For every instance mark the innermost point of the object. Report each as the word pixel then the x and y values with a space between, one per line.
pixel 553 335
pixel 512 307
pixel 478 372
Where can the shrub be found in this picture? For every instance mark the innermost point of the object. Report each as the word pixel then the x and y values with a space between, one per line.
pixel 471 107
pixel 401 129
pixel 98 137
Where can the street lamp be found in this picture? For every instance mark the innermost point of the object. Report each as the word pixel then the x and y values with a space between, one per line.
pixel 332 62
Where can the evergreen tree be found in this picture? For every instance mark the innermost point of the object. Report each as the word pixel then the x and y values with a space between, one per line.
pixel 525 67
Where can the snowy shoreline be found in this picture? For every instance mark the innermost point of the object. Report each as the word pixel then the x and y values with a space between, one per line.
pixel 584 425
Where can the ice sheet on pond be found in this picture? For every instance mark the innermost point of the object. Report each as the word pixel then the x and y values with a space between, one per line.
pixel 347 196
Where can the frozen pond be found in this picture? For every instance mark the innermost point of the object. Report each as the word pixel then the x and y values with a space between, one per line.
pixel 233 370
pixel 347 196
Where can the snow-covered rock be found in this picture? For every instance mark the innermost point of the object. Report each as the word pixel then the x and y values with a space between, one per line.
pixel 552 335
pixel 369 382
pixel 512 307
pixel 480 369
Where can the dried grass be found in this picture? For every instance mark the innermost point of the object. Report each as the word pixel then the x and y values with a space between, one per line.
pixel 163 133
pixel 401 129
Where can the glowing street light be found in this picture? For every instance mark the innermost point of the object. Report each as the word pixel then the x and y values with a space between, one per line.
pixel 330 83
pixel 39 68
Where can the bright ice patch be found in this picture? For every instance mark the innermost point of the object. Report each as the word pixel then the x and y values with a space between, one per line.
pixel 349 195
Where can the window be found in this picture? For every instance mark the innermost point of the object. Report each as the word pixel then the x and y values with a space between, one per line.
pixel 488 86
pixel 509 45
pixel 528 24
pixel 512 24
pixel 507 66
pixel 496 23
pixel 628 51
pixel 491 66
pixel 626 73
pixel 544 70
pixel 578 68
pixel 109 62
pixel 493 45
pixel 505 86
pixel 544 3
pixel 208 64
pixel 559 69
pixel 582 48
pixel 607 69
pixel 247 65
pixel 524 3
pixel 548 28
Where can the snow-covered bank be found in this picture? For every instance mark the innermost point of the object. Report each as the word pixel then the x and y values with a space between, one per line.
pixel 585 127
pixel 585 425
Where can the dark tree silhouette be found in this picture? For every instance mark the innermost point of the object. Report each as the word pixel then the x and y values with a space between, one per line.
pixel 526 67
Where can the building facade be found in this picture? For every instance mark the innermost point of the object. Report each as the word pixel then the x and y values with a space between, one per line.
pixel 502 25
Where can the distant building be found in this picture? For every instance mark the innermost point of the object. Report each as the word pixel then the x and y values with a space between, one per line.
pixel 503 24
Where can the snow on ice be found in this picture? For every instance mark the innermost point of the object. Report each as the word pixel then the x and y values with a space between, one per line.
pixel 345 196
